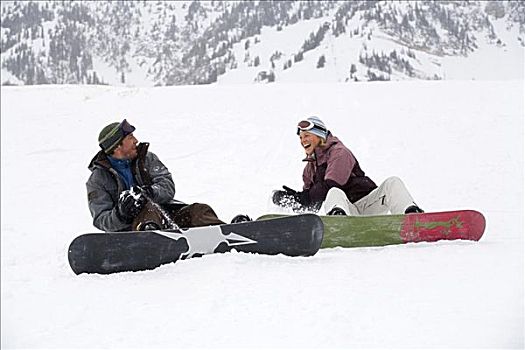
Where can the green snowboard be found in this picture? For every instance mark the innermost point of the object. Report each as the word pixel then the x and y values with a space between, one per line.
pixel 381 230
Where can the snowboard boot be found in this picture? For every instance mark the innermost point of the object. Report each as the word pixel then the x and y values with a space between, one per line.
pixel 336 211
pixel 413 209
pixel 148 226
pixel 241 218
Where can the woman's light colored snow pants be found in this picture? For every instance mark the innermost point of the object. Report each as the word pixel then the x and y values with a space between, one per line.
pixel 391 197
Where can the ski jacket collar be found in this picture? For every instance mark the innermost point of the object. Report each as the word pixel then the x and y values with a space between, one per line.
pixel 320 154
pixel 100 160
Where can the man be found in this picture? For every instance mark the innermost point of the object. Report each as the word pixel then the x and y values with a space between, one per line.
pixel 131 189
pixel 332 176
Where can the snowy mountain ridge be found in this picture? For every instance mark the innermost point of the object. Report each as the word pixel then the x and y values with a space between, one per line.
pixel 190 42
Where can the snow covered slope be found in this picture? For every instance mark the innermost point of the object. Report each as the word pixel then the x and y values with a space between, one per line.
pixel 152 43
pixel 348 57
pixel 456 144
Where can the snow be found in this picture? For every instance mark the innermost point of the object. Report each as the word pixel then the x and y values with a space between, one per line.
pixel 506 59
pixel 9 79
pixel 490 61
pixel 456 145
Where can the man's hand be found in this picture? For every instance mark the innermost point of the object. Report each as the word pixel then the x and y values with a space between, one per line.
pixel 129 205
pixel 146 190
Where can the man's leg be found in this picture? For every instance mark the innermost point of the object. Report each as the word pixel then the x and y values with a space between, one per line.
pixel 150 218
pixel 195 215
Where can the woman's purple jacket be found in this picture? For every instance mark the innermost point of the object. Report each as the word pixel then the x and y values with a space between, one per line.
pixel 333 165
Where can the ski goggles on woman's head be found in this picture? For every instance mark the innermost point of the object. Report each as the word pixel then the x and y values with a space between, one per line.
pixel 306 125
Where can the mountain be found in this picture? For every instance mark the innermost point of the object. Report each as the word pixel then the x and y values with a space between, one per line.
pixel 162 43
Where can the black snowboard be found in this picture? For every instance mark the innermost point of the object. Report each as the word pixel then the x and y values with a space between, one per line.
pixel 299 235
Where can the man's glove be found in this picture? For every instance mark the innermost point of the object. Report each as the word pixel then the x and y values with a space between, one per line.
pixel 144 190
pixel 129 205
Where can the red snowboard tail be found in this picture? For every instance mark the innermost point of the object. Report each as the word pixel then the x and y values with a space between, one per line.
pixel 431 227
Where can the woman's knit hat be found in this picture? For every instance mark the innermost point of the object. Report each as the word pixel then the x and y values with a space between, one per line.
pixel 313 125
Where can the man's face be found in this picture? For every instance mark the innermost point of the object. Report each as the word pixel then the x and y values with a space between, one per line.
pixel 309 142
pixel 127 149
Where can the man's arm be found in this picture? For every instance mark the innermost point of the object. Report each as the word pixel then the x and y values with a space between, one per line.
pixel 102 208
pixel 162 186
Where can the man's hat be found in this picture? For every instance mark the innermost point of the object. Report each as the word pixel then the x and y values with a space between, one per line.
pixel 113 134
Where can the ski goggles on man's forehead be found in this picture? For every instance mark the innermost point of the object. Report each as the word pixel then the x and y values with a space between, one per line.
pixel 306 125
pixel 126 127
pixel 117 135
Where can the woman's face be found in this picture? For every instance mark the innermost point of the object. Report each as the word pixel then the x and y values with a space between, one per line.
pixel 309 142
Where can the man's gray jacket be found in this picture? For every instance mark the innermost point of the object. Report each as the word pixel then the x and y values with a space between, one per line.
pixel 104 186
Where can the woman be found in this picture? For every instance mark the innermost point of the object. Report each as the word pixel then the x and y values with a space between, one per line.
pixel 332 176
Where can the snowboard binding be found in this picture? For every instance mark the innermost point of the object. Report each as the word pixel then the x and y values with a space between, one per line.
pixel 148 226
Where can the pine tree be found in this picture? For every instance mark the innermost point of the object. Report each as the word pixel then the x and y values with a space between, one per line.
pixel 321 61
pixel 353 70
pixel 298 57
pixel 271 77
